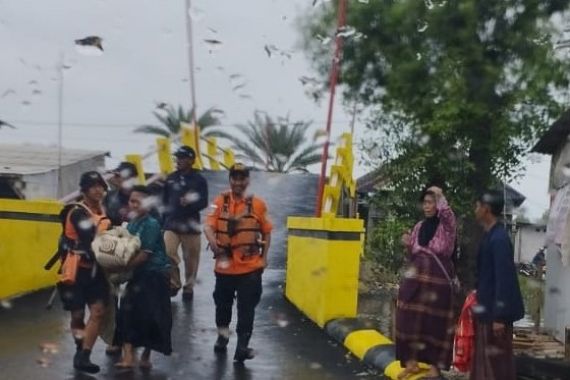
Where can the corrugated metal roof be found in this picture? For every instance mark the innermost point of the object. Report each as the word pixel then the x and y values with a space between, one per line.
pixel 35 159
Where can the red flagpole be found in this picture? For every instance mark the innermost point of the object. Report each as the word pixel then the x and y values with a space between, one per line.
pixel 335 68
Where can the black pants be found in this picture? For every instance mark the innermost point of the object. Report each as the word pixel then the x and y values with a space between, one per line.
pixel 247 288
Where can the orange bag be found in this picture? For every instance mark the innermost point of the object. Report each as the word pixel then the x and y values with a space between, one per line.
pixel 69 267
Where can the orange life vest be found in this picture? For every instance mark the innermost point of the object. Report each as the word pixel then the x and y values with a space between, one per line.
pixel 241 233
pixel 100 221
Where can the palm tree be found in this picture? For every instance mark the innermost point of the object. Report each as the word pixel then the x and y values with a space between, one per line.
pixel 275 146
pixel 170 119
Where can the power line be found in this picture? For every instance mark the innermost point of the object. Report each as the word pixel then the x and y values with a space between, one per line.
pixel 81 125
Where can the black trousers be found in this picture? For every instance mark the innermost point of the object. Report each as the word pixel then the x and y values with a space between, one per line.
pixel 247 289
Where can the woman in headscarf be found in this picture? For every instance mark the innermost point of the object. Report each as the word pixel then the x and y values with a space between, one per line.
pixel 424 315
pixel 145 316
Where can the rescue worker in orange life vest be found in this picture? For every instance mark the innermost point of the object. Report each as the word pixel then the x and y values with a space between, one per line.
pixel 89 287
pixel 239 233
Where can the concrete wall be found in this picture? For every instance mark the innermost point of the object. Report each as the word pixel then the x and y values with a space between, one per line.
pixel 557 294
pixel 528 240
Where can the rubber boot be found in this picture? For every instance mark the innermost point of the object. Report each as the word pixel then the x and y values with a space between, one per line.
pixel 221 345
pixel 82 362
pixel 243 352
pixel 78 344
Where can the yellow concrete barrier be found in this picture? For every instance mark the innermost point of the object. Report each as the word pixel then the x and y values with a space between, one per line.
pixel 359 342
pixel 212 149
pixel 190 137
pixel 136 159
pixel 29 231
pixel 164 155
pixel 323 258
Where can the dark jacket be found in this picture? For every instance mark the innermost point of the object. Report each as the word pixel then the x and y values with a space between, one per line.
pixel 116 205
pixel 498 291
pixel 184 219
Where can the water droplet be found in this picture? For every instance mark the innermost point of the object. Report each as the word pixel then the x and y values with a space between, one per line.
pixel 43 362
pixel 86 224
pixel 316 3
pixel 429 4
pixel 6 304
pixel 324 40
pixel 411 272
pixel 364 1
pixel 316 366
pixel 422 26
pixel 479 309
pixel 418 56
pixel 151 202
pixel 346 31
pixel 49 348
pixel 223 263
pixel 192 197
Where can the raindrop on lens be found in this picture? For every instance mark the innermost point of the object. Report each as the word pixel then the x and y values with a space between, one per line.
pixel 422 26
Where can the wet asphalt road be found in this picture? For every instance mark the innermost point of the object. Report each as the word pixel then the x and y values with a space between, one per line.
pixel 288 346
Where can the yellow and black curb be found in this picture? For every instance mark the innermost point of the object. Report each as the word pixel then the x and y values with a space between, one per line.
pixel 369 345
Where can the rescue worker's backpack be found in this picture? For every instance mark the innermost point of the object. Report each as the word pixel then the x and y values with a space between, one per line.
pixel 63 243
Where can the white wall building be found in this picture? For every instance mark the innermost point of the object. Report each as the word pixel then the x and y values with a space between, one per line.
pixel 39 172
pixel 555 142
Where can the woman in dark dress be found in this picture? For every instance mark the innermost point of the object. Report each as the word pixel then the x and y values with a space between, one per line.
pixel 145 316
pixel 424 315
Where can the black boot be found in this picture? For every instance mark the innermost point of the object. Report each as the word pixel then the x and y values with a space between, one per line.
pixel 78 344
pixel 243 352
pixel 82 362
pixel 221 346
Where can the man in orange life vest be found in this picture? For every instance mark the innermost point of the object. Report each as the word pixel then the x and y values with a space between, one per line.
pixel 239 234
pixel 88 286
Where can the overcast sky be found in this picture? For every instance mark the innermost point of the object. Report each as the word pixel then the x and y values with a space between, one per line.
pixel 145 62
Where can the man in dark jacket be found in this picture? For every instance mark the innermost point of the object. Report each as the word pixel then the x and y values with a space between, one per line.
pixel 116 201
pixel 185 195
pixel 498 295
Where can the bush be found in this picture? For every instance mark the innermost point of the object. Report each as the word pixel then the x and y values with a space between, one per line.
pixel 384 243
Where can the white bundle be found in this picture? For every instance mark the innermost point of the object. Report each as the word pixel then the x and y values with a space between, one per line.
pixel 115 248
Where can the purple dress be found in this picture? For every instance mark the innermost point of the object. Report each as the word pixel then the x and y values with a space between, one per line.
pixel 424 315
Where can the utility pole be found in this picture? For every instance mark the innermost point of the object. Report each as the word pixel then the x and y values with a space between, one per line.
pixel 190 48
pixel 60 124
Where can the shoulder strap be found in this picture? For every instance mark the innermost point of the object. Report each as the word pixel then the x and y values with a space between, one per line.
pixel 226 206
pixel 249 203
pixel 439 263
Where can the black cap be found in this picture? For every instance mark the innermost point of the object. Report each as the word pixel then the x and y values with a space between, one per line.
pixel 126 170
pixel 185 151
pixel 239 169
pixel 90 179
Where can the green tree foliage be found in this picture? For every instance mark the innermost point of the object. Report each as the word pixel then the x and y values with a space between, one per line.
pixel 170 118
pixel 457 90
pixel 276 145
